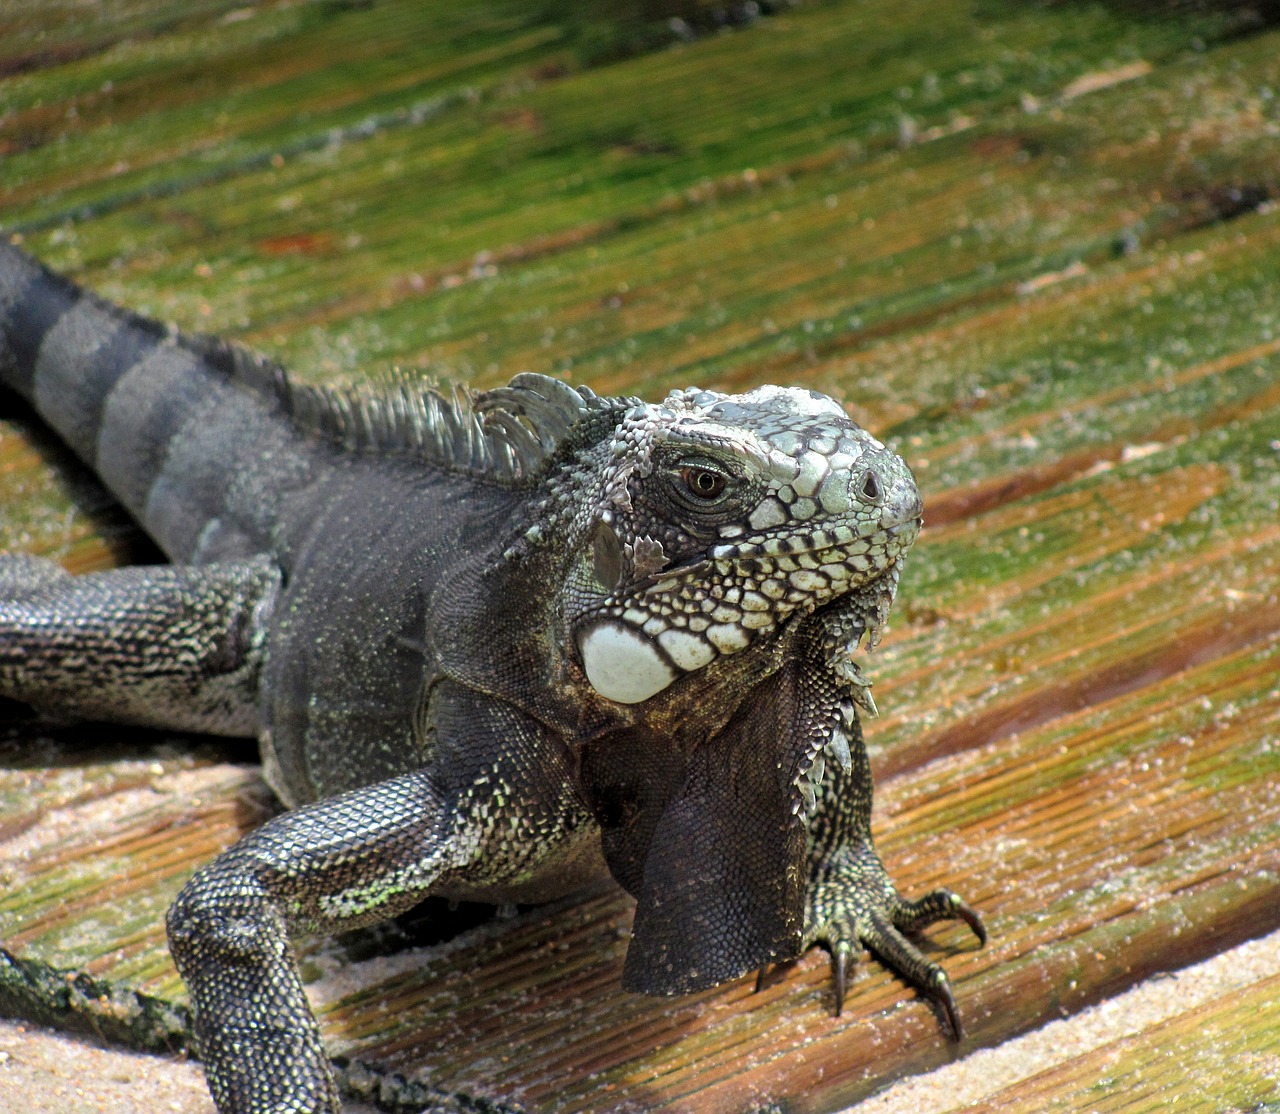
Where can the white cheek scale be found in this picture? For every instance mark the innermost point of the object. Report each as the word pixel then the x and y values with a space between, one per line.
pixel 623 665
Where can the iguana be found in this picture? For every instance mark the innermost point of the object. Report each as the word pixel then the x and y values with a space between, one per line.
pixel 493 645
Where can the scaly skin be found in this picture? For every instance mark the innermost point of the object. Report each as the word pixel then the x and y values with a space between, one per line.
pixel 492 647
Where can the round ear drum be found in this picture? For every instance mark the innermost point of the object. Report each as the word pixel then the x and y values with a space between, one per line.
pixel 606 556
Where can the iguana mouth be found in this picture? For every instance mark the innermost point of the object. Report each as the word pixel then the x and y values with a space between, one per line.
pixel 672 626
pixel 849 541
pixel 793 543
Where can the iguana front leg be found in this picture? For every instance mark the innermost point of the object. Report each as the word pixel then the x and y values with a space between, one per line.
pixel 340 863
pixel 493 808
pixel 851 902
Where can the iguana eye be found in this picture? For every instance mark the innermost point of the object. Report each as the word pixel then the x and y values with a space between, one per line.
pixel 703 483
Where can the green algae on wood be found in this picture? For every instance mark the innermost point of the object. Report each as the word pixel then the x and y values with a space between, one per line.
pixel 1038 248
pixel 1219 1056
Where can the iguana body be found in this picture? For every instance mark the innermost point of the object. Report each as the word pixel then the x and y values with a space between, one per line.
pixel 492 646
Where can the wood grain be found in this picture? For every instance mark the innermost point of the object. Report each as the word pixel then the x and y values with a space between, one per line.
pixel 1038 250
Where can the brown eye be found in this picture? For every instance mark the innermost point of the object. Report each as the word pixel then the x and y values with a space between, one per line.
pixel 703 483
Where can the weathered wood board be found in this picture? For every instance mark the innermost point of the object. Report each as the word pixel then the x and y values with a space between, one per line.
pixel 1037 248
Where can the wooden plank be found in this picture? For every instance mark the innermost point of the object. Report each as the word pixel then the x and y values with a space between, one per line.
pixel 987 1078
pixel 1220 1056
pixel 1039 254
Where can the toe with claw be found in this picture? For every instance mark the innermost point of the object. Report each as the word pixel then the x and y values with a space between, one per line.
pixel 858 907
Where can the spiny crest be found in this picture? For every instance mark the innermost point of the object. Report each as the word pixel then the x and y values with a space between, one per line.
pixel 510 434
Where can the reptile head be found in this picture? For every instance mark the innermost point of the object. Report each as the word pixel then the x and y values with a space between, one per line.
pixel 725 528
pixel 723 515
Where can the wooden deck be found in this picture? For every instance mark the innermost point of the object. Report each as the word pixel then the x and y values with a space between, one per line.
pixel 1036 248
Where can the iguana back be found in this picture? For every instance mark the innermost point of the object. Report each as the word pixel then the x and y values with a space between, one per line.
pixel 214 449
pixel 359 501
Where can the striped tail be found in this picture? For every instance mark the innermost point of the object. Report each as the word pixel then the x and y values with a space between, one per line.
pixel 166 421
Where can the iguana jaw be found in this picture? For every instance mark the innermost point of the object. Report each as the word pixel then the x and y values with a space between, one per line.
pixel 640 646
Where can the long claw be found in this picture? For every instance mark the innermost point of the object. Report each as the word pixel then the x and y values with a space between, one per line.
pixel 971 917
pixel 940 905
pixel 764 968
pixel 942 994
pixel 840 964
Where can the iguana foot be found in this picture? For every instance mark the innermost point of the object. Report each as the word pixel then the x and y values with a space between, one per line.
pixel 853 904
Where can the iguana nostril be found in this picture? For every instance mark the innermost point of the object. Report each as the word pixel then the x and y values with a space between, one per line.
pixel 870 489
